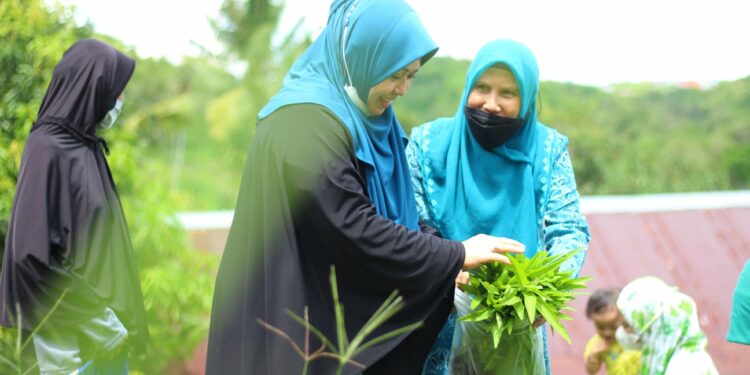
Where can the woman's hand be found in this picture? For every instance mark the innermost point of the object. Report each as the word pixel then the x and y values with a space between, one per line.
pixel 482 249
pixel 538 322
pixel 462 278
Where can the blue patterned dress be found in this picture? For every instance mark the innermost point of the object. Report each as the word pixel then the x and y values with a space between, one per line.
pixel 561 226
pixel 523 189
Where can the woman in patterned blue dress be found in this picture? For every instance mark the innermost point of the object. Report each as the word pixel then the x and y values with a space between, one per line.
pixel 494 168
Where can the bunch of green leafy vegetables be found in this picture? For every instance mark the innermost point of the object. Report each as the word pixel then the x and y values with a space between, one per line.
pixel 506 295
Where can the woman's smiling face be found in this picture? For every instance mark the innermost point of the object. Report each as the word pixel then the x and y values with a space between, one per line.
pixel 384 93
pixel 496 92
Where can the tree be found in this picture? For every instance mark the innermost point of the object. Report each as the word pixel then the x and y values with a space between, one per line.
pixel 247 28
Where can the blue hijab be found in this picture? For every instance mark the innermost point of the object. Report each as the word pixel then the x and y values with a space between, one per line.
pixel 382 37
pixel 472 190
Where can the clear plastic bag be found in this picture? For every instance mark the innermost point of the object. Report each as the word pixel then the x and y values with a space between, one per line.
pixel 521 352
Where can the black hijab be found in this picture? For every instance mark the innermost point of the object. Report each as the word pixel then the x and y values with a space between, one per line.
pixel 67 229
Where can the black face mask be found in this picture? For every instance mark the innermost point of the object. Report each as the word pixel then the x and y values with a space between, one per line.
pixel 491 130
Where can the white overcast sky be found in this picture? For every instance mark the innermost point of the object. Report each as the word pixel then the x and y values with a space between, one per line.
pixel 595 42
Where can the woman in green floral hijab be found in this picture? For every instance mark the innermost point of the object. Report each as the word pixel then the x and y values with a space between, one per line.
pixel 663 324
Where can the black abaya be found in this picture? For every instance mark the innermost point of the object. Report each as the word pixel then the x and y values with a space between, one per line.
pixel 67 229
pixel 303 207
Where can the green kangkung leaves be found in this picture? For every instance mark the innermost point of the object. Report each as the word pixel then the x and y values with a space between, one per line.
pixel 514 295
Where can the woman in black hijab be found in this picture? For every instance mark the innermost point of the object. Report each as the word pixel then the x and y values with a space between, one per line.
pixel 68 243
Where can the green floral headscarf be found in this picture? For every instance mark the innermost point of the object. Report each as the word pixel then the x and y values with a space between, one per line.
pixel 667 322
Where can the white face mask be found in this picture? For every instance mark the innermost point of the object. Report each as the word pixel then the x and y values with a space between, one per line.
pixel 111 116
pixel 629 341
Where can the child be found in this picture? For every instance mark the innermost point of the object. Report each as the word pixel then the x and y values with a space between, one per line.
pixel 602 348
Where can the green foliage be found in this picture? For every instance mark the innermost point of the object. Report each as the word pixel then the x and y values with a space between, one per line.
pixel 508 295
pixel 242 20
pixel 737 160
pixel 345 350
pixel 435 92
pixel 177 281
pixel 196 120
pixel 15 355
pixel 247 28
pixel 168 118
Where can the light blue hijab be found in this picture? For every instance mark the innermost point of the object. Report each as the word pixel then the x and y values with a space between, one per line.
pixel 382 37
pixel 472 190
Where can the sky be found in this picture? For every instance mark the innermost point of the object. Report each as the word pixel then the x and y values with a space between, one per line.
pixel 591 42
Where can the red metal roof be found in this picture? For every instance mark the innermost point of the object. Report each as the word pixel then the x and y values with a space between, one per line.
pixel 700 251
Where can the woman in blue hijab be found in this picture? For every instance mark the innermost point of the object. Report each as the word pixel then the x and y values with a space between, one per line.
pixel 326 184
pixel 494 168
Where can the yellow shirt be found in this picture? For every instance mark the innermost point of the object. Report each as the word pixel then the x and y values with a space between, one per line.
pixel 616 361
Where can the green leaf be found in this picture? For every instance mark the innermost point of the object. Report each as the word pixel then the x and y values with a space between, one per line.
pixel 518 307
pixel 490 288
pixel 497 334
pixel 513 300
pixel 562 316
pixel 553 321
pixel 343 340
pixel 530 302
pixel 477 316
pixel 386 336
pixel 476 301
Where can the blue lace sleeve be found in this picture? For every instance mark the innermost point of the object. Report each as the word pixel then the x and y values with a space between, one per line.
pixel 414 159
pixel 565 228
